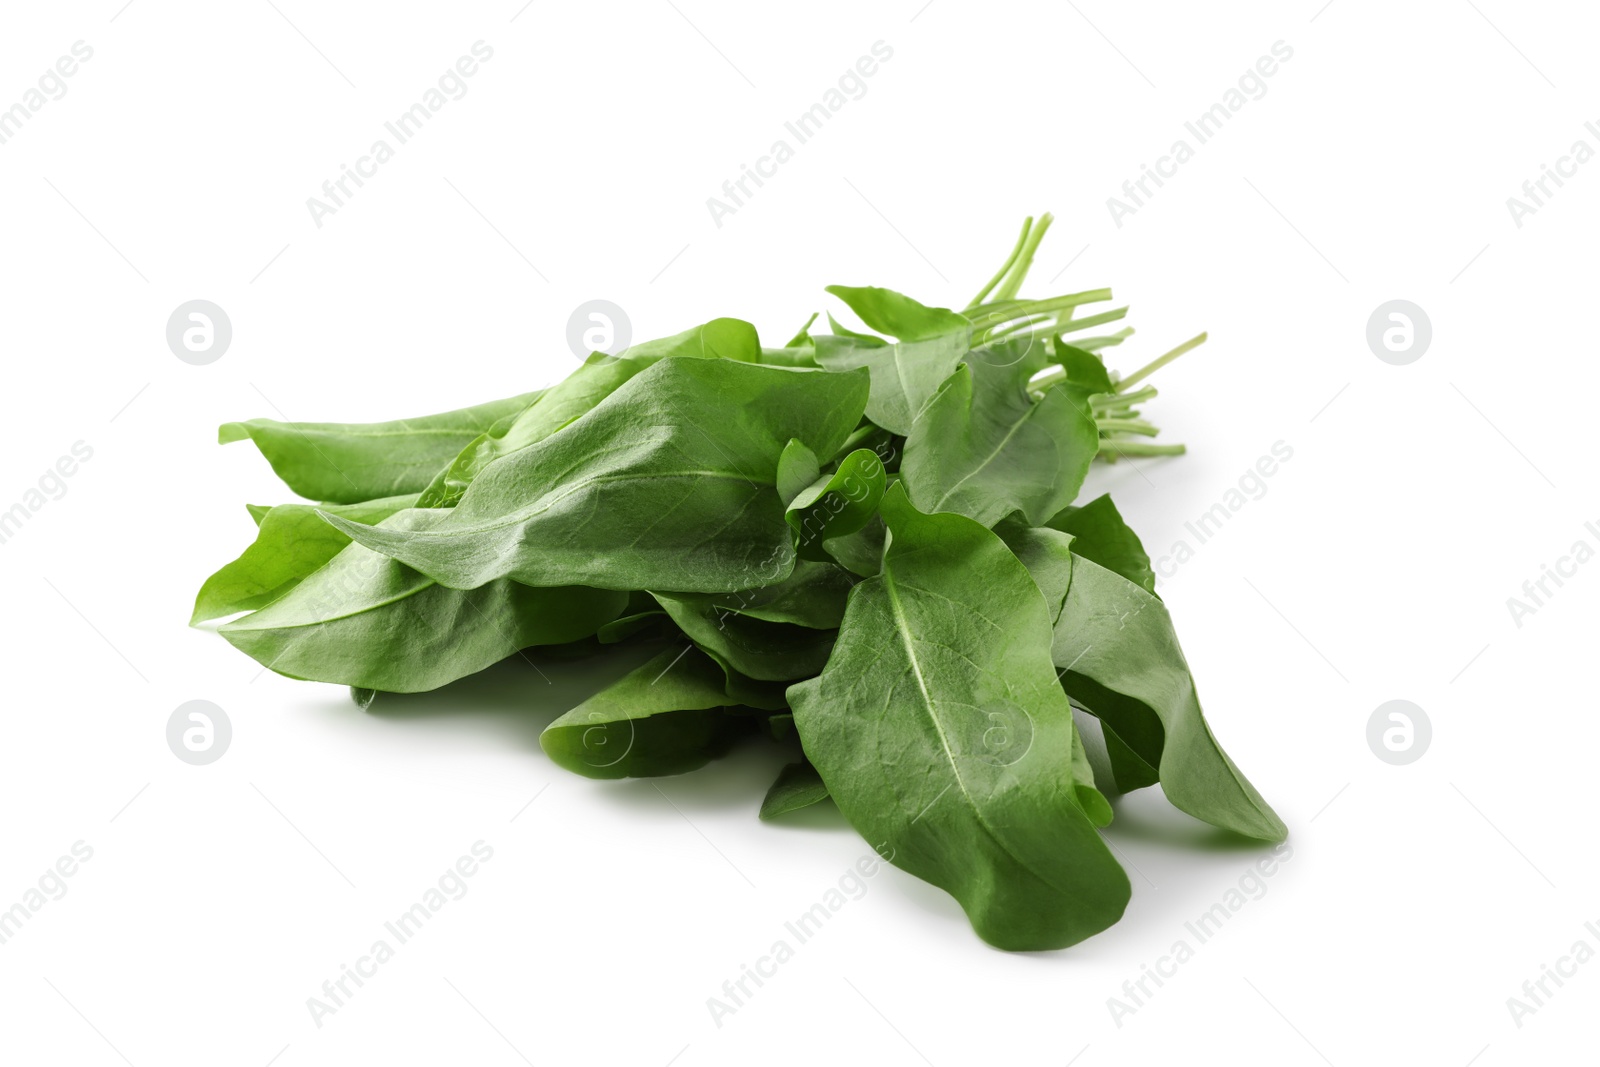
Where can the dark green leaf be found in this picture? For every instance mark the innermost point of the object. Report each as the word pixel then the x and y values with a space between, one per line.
pixel 1122 662
pixel 669 483
pixel 663 718
pixel 984 447
pixel 837 504
pixel 765 651
pixel 578 394
pixel 798 786
pixel 347 463
pixel 797 469
pixel 367 621
pixel 627 626
pixel 813 595
pixel 1099 533
pixel 904 375
pixel 1048 556
pixel 945 739
pixel 896 315
pixel 291 542
pixel 860 553
pixel 1083 369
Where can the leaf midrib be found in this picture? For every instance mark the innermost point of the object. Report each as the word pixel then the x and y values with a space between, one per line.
pixel 903 628
pixel 1016 427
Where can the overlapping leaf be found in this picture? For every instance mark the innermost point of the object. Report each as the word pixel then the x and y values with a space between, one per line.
pixel 942 734
pixel 348 463
pixel 669 483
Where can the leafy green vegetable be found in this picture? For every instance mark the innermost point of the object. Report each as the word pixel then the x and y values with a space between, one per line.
pixel 1121 659
pixel 348 463
pixel 665 717
pixel 837 504
pixel 985 447
pixel 905 375
pixel 291 542
pixel 767 651
pixel 1047 554
pixel 899 316
pixel 344 623
pixel 578 394
pixel 797 469
pixel 941 732
pixel 862 546
pixel 798 786
pixel 681 461
pixel 1100 534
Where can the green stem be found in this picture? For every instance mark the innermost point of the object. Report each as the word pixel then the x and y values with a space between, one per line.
pixel 1095 344
pixel 1140 448
pixel 1018 309
pixel 1074 325
pixel 1161 361
pixel 1125 400
pixel 1047 379
pixel 1022 239
pixel 1135 426
pixel 1019 268
pixel 1011 327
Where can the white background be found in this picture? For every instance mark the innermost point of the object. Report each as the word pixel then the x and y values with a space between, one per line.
pixel 1376 566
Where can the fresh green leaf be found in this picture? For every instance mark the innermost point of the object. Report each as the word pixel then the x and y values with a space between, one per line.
pixel 620 629
pixel 798 786
pixel 984 447
pixel 765 651
pixel 797 468
pixel 347 463
pixel 1100 534
pixel 1121 659
pixel 662 718
pixel 813 595
pixel 802 337
pixel 896 315
pixel 367 621
pixel 943 736
pixel 669 483
pixel 904 375
pixel 579 392
pixel 840 330
pixel 1048 556
pixel 291 542
pixel 724 338
pixel 837 504
pixel 1083 369
pixel 860 553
